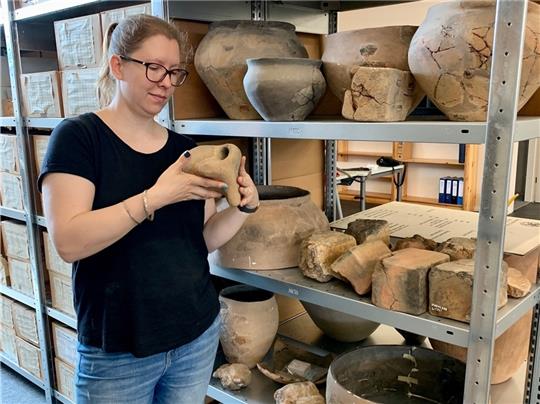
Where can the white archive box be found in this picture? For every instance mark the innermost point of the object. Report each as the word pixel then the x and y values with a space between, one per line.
pixel 6 314
pixel 8 154
pixel 65 344
pixel 15 239
pixel 65 379
pixel 24 322
pixel 20 274
pixel 29 357
pixel 4 272
pixel 53 262
pixel 42 97
pixel 61 293
pixel 118 14
pixel 11 191
pixel 78 42
pixel 79 91
pixel 8 343
pixel 41 142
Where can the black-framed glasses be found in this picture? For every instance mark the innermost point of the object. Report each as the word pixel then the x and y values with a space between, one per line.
pixel 156 72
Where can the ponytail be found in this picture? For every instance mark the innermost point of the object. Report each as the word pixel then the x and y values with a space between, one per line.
pixel 106 83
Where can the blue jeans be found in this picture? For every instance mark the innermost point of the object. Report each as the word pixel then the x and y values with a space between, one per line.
pixel 177 376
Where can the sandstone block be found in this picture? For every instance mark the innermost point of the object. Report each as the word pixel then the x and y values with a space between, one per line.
pixel 233 376
pixel 400 281
pixel 320 250
pixel 357 264
pixel 458 248
pixel 451 290
pixel 379 94
pixel 298 393
pixel 518 284
pixel 416 241
pixel 365 230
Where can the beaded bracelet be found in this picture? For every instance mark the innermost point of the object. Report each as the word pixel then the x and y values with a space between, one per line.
pixel 149 216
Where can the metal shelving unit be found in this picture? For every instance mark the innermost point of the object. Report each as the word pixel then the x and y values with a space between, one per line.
pixel 498 133
pixel 8 362
pixel 412 130
pixel 12 213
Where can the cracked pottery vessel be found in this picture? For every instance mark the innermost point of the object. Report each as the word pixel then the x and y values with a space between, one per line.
pixel 221 57
pixel 249 323
pixel 340 326
pixel 270 238
pixel 284 89
pixel 450 57
pixel 370 47
pixel 395 374
pixel 219 162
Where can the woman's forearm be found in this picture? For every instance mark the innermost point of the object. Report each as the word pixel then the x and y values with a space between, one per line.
pixel 222 226
pixel 90 232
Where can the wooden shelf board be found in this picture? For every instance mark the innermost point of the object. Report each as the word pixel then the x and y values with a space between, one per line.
pixel 434 162
pixel 364 154
pixel 371 197
pixel 429 201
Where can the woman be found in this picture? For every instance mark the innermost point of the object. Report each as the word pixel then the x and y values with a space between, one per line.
pixel 138 230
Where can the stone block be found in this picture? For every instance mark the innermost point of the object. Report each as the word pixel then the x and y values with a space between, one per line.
pixel 365 230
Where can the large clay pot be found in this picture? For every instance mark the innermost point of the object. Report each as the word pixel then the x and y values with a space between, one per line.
pixel 450 57
pixel 374 374
pixel 220 59
pixel 372 47
pixel 340 326
pixel 270 238
pixel 249 323
pixel 284 89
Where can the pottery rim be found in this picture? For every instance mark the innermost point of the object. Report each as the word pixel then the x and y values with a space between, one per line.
pixel 265 295
pixel 268 24
pixel 284 61
pixel 345 33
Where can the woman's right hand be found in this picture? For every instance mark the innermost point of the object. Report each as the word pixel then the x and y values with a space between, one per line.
pixel 174 185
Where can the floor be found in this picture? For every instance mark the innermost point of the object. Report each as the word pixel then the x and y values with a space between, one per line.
pixel 14 389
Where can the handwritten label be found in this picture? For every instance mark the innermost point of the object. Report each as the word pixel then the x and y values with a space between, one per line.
pixel 293 292
pixel 295 131
pixel 436 307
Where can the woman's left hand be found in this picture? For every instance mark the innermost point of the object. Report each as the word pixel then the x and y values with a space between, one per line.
pixel 248 190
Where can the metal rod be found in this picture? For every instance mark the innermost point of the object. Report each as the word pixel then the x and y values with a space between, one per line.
pixel 502 110
pixel 532 380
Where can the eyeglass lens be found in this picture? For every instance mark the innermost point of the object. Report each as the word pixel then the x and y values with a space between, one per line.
pixel 157 73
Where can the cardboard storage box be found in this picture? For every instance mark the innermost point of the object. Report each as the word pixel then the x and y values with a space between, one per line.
pixel 15 239
pixel 78 42
pixel 4 272
pixel 79 91
pixel 40 142
pixel 41 95
pixel 21 276
pixel 6 314
pixel 118 14
pixel 11 192
pixel 296 158
pixel 29 357
pixel 53 262
pixel 314 183
pixel 65 379
pixel 61 293
pixel 65 344
pixel 8 154
pixel 192 99
pixel 24 323
pixel 8 343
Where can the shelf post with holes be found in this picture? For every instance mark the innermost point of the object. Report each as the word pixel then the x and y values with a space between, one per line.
pixel 26 164
pixel 503 94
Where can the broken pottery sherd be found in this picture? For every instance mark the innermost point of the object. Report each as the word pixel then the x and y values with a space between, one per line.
pixel 233 376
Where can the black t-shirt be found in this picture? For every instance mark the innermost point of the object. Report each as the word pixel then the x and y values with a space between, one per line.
pixel 151 290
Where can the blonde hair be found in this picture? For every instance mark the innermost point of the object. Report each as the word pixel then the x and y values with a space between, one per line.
pixel 126 37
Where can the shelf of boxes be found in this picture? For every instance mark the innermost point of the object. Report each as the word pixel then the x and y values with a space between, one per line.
pixel 29 376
